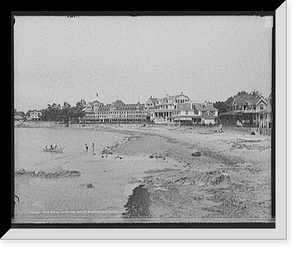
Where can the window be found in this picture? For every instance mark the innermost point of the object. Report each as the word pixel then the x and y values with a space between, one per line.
pixel 261 107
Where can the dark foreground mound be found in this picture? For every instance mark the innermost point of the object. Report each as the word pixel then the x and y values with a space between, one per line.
pixel 138 203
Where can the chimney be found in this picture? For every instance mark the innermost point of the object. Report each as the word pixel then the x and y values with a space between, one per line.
pixel 191 106
pixel 167 95
pixel 181 93
pixel 150 96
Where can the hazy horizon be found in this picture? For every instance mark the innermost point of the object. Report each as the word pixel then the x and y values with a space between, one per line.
pixel 59 59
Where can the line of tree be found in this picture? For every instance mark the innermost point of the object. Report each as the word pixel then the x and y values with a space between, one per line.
pixel 60 113
pixel 19 113
pixel 64 113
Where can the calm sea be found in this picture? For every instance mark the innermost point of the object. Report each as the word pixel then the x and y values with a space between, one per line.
pixel 66 199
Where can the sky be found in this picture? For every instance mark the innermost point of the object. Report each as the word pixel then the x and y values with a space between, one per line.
pixel 59 59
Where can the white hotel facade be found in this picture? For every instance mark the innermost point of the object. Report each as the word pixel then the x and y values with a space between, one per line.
pixel 169 109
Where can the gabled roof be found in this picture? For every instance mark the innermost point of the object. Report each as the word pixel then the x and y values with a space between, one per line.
pixel 199 106
pixel 208 115
pixel 93 103
pixel 184 107
pixel 153 100
pixel 104 108
pixel 205 107
pixel 210 107
pixel 247 99
pixel 261 99
pixel 176 96
pixel 118 103
pixel 241 100
pixel 165 99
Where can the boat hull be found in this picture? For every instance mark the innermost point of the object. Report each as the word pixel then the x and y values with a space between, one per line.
pixel 58 150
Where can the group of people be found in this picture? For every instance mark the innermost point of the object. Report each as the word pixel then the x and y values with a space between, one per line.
pixel 51 147
pixel 87 147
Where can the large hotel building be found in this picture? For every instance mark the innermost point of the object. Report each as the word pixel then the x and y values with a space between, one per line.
pixel 176 108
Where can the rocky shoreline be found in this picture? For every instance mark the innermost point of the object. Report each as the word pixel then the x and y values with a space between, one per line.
pixel 43 174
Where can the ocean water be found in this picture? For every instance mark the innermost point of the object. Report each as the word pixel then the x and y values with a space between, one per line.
pixel 29 142
pixel 66 199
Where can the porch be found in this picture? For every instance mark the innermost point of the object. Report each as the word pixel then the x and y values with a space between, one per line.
pixel 246 118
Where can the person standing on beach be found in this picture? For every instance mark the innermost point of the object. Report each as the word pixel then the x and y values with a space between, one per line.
pixel 93 146
pixel 86 148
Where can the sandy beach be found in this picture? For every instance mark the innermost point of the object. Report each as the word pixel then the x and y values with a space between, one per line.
pixel 158 179
pixel 230 181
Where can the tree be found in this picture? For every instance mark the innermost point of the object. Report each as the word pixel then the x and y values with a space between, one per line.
pixel 242 93
pixel 222 106
pixel 77 111
pixel 229 101
pixel 255 93
pixel 19 113
pixel 51 113
pixel 66 112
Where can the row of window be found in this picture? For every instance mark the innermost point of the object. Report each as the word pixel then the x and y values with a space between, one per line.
pixel 187 112
pixel 177 101
pixel 117 116
pixel 181 100
pixel 249 107
pixel 116 112
pixel 167 107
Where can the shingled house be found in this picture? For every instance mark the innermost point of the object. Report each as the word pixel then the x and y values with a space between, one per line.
pixel 195 113
pixel 245 108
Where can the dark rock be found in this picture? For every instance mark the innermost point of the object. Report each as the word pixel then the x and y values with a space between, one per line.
pixel 196 152
pixel 75 173
pixel 138 203
pixel 41 173
pixel 20 172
